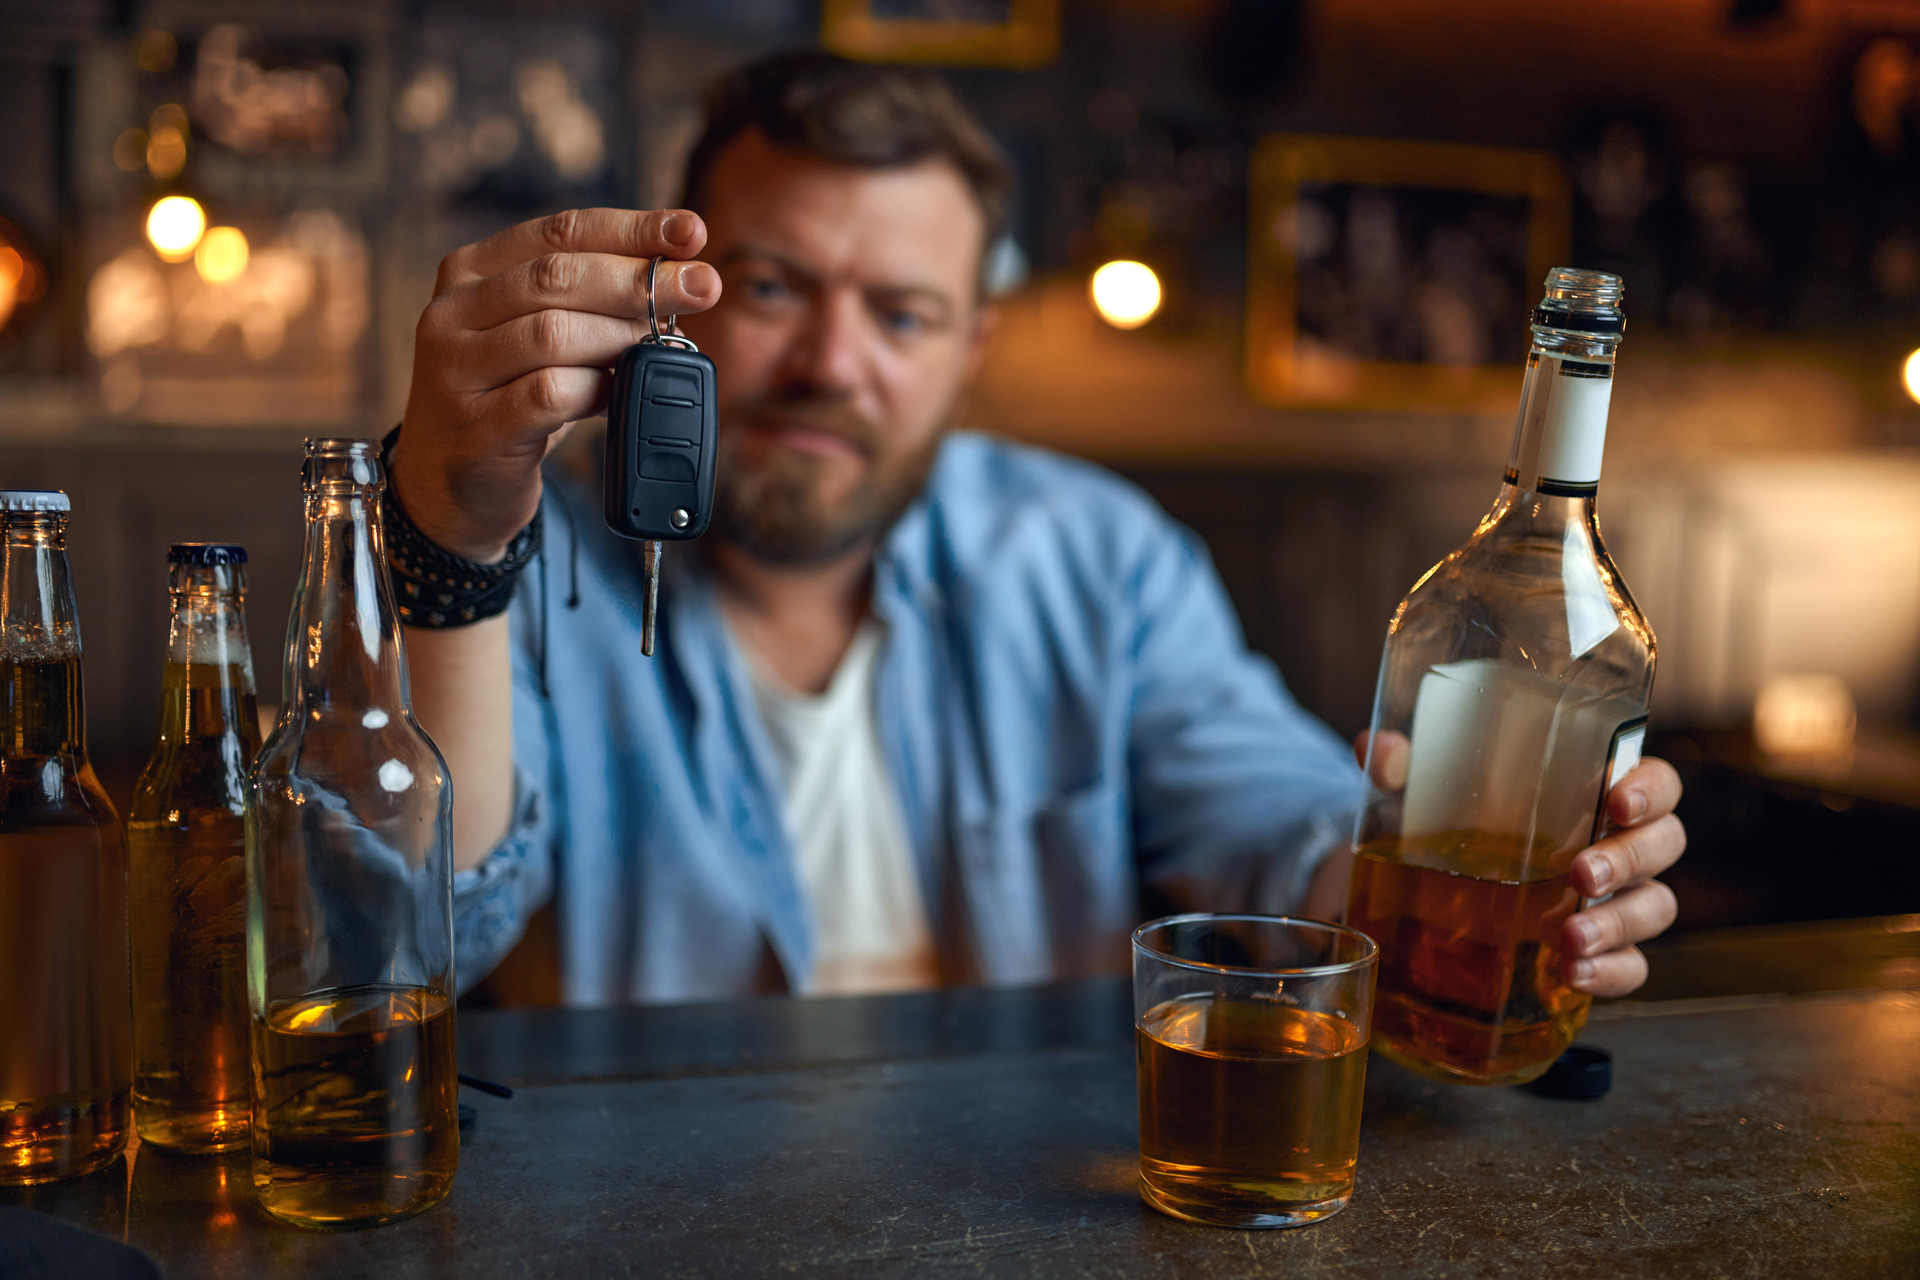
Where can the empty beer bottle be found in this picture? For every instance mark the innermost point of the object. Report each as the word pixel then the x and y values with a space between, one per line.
pixel 65 1022
pixel 349 893
pixel 186 846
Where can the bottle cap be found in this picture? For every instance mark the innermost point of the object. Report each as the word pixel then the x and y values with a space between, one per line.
pixel 206 553
pixel 1582 301
pixel 1581 1074
pixel 34 500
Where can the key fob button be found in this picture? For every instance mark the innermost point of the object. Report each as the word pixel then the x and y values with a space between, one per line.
pixel 657 463
pixel 667 382
pixel 671 420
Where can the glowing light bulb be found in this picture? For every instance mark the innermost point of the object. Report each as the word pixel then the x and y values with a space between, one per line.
pixel 174 227
pixel 1126 294
pixel 222 255
pixel 1910 374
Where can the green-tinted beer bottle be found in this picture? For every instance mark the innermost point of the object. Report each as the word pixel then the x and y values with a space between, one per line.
pixel 186 836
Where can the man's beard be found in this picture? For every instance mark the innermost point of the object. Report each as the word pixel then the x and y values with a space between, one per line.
pixel 774 511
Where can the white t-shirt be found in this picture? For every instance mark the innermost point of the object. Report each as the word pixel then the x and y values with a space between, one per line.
pixel 850 840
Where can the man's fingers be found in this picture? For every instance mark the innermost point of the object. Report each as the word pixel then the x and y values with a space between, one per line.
pixel 602 283
pixel 540 402
pixel 1650 789
pixel 1618 973
pixel 1627 857
pixel 1388 763
pixel 560 339
pixel 1640 913
pixel 628 233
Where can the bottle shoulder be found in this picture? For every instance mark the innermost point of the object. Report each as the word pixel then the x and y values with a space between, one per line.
pixel 332 752
pixel 52 791
pixel 196 774
pixel 1548 598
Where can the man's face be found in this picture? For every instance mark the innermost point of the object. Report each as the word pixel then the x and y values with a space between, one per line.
pixel 848 325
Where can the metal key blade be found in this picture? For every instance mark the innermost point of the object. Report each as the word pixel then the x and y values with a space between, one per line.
pixel 652 552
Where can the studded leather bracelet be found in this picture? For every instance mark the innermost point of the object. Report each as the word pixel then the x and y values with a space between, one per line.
pixel 434 588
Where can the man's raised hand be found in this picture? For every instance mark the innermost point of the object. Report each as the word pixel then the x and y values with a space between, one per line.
pixel 516 343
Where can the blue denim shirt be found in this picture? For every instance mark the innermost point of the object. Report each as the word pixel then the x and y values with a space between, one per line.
pixel 1071 719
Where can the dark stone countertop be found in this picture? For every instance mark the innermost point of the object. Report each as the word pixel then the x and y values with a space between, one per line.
pixel 992 1133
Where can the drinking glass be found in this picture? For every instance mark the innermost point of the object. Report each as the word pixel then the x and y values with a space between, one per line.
pixel 1251 1033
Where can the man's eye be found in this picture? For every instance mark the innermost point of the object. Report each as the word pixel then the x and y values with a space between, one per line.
pixel 904 322
pixel 766 289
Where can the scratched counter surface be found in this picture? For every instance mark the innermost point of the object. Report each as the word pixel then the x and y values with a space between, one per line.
pixel 992 1133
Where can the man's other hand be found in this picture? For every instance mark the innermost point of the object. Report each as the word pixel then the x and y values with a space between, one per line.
pixel 517 342
pixel 1600 955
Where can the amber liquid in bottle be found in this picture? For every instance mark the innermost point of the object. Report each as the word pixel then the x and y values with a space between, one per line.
pixel 355 1094
pixel 1469 963
pixel 65 1047
pixel 1246 1105
pixel 186 834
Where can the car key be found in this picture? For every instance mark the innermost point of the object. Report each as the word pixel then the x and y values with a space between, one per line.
pixel 661 422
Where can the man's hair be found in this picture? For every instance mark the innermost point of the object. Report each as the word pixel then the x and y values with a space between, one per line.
pixel 855 113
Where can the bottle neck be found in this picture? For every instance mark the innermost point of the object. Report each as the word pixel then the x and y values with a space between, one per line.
pixel 208 685
pixel 42 711
pixel 1561 430
pixel 343 648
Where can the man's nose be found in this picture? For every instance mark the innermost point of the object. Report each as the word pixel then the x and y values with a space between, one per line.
pixel 830 357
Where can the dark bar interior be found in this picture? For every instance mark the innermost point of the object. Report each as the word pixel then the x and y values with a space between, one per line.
pixel 1270 261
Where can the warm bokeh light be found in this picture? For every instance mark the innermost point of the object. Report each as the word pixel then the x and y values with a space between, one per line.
pixel 167 141
pixel 166 153
pixel 23 277
pixel 175 226
pixel 1910 374
pixel 155 51
pixel 1126 294
pixel 130 151
pixel 222 255
pixel 1808 715
pixel 12 269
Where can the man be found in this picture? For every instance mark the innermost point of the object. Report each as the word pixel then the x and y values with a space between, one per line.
pixel 926 706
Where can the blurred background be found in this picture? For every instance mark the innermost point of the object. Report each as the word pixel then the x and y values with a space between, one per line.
pixel 219 221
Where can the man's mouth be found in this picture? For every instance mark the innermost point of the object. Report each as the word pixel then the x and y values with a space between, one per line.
pixel 806 437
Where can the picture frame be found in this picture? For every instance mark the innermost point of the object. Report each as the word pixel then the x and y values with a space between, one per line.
pixel 355 40
pixel 1387 274
pixel 955 33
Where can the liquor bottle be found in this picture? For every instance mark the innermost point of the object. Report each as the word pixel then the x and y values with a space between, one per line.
pixel 349 892
pixel 186 846
pixel 1513 694
pixel 66 1026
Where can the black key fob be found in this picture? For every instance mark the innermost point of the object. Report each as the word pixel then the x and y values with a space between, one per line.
pixel 660 442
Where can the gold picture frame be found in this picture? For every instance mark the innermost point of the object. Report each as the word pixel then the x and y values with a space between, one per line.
pixel 920 31
pixel 1290 365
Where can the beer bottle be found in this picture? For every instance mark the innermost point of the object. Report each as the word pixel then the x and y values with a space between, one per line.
pixel 1512 696
pixel 66 1027
pixel 349 892
pixel 186 844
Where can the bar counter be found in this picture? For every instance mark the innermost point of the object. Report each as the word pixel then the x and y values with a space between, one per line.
pixel 992 1133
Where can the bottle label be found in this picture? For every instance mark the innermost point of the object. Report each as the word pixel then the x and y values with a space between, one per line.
pixel 1505 750
pixel 1562 430
pixel 1623 757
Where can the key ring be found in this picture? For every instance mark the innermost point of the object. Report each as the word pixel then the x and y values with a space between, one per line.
pixel 673 336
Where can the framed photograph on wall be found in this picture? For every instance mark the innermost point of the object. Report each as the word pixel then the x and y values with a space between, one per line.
pixel 284 101
pixel 1384 274
pixel 954 33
